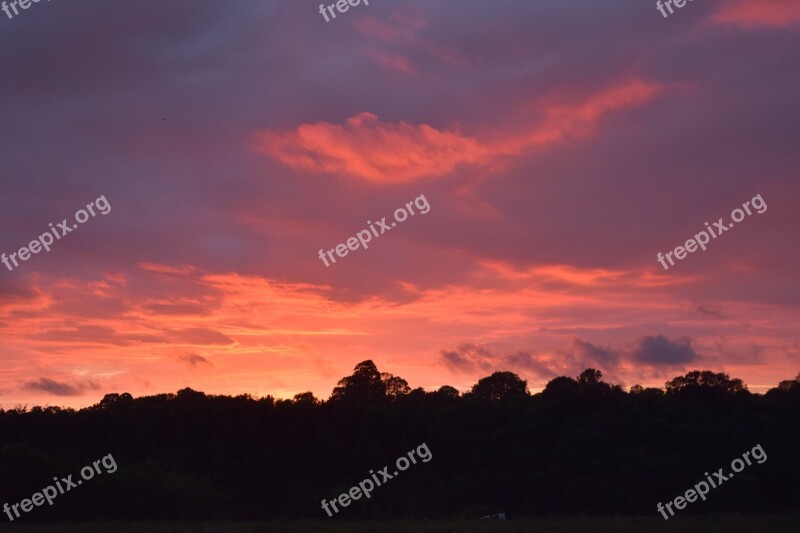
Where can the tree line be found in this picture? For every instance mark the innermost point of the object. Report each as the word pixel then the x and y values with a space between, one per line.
pixel 580 447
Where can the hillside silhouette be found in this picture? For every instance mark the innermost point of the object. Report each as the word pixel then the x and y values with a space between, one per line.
pixel 580 447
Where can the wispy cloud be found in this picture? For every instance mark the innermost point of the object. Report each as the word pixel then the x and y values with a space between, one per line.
pixel 390 153
pixel 57 388
pixel 194 360
pixel 759 13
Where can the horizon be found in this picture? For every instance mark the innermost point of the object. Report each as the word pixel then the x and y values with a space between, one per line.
pixel 329 397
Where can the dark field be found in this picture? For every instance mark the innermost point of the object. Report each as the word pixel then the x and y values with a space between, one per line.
pixel 690 524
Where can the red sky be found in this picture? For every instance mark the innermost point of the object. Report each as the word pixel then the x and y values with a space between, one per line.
pixel 560 146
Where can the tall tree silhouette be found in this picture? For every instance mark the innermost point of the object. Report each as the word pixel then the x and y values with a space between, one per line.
pixel 364 385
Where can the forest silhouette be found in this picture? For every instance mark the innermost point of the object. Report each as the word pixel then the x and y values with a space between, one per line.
pixel 579 447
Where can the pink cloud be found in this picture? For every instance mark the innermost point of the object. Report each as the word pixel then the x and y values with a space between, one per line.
pixel 755 13
pixel 164 269
pixel 394 62
pixel 403 31
pixel 392 153
pixel 376 151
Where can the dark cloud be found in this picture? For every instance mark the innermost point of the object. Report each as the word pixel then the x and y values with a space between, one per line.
pixel 734 353
pixel 588 354
pixel 652 351
pixel 60 388
pixel 523 360
pixel 660 351
pixel 194 359
pixel 468 358
pixel 715 312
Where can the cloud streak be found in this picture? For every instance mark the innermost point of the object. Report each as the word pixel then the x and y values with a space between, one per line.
pixel 56 388
pixel 395 153
pixel 759 13
pixel 194 360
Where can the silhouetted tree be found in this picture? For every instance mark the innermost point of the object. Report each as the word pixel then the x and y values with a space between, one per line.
pixel 190 395
pixel 306 398
pixel 500 385
pixel 114 400
pixel 590 376
pixel 364 385
pixel 561 386
pixel 448 392
pixel 705 380
pixel 395 386
pixel 109 400
pixel 416 395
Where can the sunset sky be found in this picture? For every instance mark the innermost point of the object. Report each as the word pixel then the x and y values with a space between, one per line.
pixel 560 144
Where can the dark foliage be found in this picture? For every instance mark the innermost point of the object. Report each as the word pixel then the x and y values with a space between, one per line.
pixel 581 447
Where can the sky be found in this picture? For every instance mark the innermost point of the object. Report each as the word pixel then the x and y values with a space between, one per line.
pixel 560 146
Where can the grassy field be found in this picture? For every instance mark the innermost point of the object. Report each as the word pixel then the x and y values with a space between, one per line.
pixel 684 524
